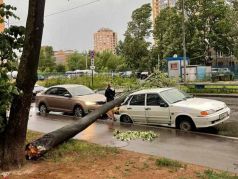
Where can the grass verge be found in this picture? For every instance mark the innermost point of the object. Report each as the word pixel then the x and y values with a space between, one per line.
pixel 210 174
pixel 172 164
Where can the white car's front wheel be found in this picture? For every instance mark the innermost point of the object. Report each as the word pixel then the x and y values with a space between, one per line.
pixel 186 125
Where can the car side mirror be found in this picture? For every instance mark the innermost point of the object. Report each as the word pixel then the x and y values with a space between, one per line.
pixel 67 95
pixel 163 104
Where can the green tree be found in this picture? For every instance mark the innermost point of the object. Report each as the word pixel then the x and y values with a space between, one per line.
pixel 211 25
pixel 234 21
pixel 167 33
pixel 208 26
pixel 11 42
pixel 13 136
pixel 47 60
pixel 107 61
pixel 60 68
pixel 135 47
pixel 76 61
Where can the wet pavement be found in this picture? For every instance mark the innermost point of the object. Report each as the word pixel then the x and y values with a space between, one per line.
pixel 201 149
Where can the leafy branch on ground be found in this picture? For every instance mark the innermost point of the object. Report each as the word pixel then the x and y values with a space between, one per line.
pixel 132 135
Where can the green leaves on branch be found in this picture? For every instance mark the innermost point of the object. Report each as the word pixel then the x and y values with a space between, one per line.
pixel 159 80
pixel 77 61
pixel 135 47
pixel 211 26
pixel 11 43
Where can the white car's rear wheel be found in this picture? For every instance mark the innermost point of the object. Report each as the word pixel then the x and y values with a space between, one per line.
pixel 126 119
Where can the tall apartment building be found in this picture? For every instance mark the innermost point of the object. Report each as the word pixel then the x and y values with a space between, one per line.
pixel 2 26
pixel 105 40
pixel 158 5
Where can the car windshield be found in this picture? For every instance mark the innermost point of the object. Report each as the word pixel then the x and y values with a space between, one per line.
pixel 80 91
pixel 174 95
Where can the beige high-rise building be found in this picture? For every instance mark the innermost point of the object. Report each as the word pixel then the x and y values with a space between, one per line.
pixel 158 5
pixel 2 26
pixel 105 40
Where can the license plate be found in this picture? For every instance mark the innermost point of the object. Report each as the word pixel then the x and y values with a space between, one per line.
pixel 223 115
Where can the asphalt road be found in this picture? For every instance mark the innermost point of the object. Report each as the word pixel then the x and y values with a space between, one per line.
pixel 201 149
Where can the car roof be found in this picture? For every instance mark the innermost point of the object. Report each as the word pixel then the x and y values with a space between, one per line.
pixel 67 86
pixel 153 90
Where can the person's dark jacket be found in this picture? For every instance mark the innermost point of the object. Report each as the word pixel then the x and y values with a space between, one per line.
pixel 110 94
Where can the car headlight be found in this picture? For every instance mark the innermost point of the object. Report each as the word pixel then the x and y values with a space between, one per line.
pixel 89 103
pixel 206 113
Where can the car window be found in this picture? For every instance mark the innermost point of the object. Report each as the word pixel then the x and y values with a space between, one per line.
pixel 153 100
pixel 138 100
pixel 51 91
pixel 62 91
pixel 174 95
pixel 80 91
pixel 127 100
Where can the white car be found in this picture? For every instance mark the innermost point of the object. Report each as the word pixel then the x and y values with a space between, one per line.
pixel 172 107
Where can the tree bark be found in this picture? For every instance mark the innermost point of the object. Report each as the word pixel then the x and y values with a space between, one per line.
pixel 37 148
pixel 13 139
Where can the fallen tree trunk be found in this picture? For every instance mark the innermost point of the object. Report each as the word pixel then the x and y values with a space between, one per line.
pixel 39 147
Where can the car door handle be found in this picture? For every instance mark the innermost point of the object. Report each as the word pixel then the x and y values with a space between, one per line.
pixel 129 108
pixel 147 109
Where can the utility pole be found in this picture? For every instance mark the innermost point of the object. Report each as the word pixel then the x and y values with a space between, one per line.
pixel 86 54
pixel 184 41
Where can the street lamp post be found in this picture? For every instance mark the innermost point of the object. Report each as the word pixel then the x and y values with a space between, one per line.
pixel 184 41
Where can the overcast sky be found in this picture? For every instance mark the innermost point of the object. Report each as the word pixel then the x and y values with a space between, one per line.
pixel 73 30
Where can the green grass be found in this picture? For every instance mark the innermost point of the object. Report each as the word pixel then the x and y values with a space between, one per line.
pixel 31 136
pixel 74 150
pixel 210 174
pixel 172 164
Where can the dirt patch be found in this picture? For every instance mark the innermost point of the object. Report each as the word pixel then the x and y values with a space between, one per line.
pixel 122 165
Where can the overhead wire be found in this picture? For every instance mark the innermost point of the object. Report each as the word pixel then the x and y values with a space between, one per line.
pixel 66 10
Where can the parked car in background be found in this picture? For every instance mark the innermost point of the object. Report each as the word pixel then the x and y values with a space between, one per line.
pixel 144 75
pixel 172 107
pixel 40 77
pixel 126 74
pixel 37 89
pixel 76 99
pixel 222 74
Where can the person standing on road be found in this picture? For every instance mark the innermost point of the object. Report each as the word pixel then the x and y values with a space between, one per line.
pixel 110 95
